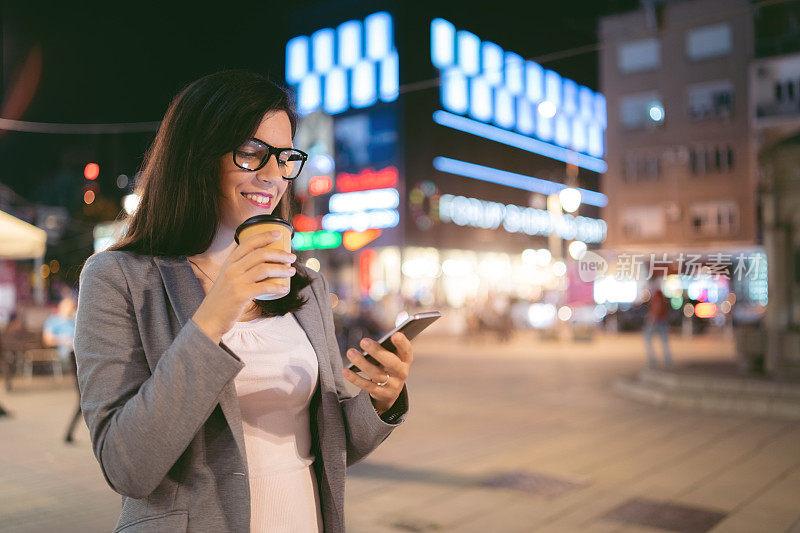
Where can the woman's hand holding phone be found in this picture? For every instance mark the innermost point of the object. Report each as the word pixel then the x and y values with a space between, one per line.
pixel 241 278
pixel 392 370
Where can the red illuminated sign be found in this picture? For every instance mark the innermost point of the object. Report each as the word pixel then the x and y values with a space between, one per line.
pixel 366 261
pixel 319 185
pixel 305 223
pixel 367 179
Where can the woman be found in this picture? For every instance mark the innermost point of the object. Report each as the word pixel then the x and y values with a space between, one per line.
pixel 210 411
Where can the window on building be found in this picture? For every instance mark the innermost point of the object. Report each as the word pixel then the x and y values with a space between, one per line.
pixel 631 172
pixel 711 159
pixel 641 110
pixel 714 218
pixel 786 91
pixel 644 222
pixel 714 40
pixel 714 99
pixel 641 167
pixel 639 56
pixel 651 167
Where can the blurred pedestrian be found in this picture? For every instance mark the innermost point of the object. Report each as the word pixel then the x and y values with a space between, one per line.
pixel 657 323
pixel 503 320
pixel 12 328
pixel 207 406
pixel 59 332
pixel 9 337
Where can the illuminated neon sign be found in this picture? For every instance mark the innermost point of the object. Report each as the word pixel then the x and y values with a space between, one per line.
pixel 358 200
pixel 464 211
pixel 512 179
pixel 361 220
pixel 352 66
pixel 517 140
pixel 366 200
pixel 480 79
pixel 319 185
pixel 367 179
pixel 304 223
pixel 316 240
pixel 355 240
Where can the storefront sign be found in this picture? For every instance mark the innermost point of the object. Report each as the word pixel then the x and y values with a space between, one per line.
pixel 362 220
pixel 367 179
pixel 361 200
pixel 316 240
pixel 465 211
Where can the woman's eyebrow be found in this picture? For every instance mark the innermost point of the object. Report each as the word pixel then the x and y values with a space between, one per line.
pixel 268 144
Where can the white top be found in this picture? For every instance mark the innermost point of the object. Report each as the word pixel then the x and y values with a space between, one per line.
pixel 275 388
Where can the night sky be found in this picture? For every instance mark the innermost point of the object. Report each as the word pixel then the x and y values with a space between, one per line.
pixel 104 63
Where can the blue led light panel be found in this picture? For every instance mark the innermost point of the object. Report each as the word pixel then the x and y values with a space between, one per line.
pixel 488 84
pixel 351 66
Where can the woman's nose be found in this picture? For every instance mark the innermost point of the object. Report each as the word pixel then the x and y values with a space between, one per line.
pixel 270 171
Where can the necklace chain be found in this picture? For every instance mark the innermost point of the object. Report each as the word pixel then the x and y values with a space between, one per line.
pixel 212 281
pixel 201 270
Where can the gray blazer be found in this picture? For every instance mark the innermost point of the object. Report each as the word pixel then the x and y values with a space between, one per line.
pixel 160 402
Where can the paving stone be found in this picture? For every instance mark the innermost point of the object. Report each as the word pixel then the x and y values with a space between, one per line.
pixel 477 410
pixel 665 515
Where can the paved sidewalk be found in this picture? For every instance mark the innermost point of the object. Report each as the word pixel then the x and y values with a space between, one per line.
pixel 538 418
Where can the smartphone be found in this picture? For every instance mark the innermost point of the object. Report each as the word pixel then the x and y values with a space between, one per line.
pixel 410 327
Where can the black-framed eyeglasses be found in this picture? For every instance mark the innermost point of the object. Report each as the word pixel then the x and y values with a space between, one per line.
pixel 254 153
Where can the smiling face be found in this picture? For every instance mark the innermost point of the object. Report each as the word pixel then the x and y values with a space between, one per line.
pixel 249 193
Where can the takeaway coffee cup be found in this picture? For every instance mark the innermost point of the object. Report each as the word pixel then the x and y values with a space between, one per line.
pixel 261 224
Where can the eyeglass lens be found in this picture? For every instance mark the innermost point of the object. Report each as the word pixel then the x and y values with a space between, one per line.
pixel 252 155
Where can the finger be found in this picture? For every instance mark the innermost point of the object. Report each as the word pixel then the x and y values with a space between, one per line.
pixel 386 358
pixel 251 243
pixel 268 286
pixel 265 255
pixel 374 372
pixel 263 271
pixel 403 345
pixel 362 383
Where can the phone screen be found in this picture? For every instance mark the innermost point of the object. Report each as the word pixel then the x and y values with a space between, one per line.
pixel 411 327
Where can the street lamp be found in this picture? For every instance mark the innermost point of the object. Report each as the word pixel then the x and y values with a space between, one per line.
pixel 570 199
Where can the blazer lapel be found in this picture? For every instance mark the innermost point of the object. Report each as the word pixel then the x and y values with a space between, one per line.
pixel 186 294
pixel 184 290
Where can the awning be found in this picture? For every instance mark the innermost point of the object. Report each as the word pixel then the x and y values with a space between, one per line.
pixel 20 240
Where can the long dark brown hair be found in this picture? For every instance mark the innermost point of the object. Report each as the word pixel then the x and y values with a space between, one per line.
pixel 179 187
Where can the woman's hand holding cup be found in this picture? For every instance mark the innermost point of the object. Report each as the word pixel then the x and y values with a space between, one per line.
pixel 248 272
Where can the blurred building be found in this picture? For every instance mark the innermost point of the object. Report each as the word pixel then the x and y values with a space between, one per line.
pixel 775 113
pixel 448 192
pixel 682 177
pixel 704 113
pixel 681 170
pixel 781 204
pixel 775 98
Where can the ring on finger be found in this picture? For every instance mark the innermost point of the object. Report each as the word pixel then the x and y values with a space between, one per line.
pixel 383 383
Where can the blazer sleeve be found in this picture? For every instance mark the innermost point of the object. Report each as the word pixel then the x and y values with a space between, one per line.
pixel 140 421
pixel 364 428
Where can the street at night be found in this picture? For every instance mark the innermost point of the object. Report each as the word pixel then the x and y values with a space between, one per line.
pixel 481 413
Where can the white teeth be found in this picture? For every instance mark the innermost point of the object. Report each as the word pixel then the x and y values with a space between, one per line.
pixel 261 199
